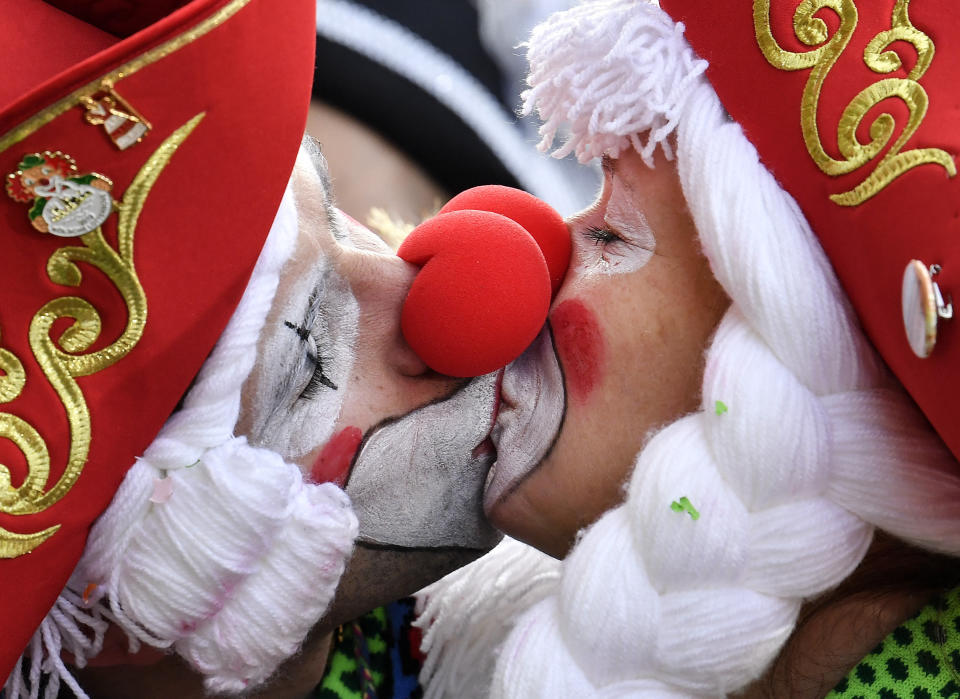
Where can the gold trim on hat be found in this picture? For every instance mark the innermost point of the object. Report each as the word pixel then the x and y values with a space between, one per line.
pixel 811 30
pixel 64 363
pixel 78 96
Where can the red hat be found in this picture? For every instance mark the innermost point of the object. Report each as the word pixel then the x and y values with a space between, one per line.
pixel 145 156
pixel 855 112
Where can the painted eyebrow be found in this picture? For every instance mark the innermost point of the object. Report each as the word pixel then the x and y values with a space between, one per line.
pixel 319 162
pixel 302 330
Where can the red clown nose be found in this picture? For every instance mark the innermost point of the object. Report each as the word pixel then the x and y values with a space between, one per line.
pixel 490 261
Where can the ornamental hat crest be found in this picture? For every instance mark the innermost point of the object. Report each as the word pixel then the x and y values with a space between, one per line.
pixel 65 202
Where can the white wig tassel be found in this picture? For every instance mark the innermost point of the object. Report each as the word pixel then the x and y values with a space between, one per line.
pixel 239 558
pixel 818 444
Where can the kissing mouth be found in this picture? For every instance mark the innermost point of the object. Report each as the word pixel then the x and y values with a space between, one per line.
pixel 417 480
pixel 486 447
pixel 531 413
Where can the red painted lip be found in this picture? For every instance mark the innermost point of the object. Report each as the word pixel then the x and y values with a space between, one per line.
pixel 485 447
pixel 333 463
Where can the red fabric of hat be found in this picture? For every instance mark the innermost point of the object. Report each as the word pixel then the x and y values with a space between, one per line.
pixel 141 179
pixel 855 111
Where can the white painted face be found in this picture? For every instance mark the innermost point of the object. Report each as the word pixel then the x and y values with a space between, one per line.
pixel 622 244
pixel 314 345
pixel 337 390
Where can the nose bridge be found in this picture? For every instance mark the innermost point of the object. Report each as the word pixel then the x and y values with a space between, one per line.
pixel 381 283
pixel 397 275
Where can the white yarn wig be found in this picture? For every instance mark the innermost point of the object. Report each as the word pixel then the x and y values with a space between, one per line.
pixel 819 445
pixel 211 547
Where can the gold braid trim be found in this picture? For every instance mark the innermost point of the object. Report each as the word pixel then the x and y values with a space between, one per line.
pixel 813 31
pixel 64 363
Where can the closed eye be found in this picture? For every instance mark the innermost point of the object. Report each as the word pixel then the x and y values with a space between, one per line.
pixel 318 378
pixel 600 236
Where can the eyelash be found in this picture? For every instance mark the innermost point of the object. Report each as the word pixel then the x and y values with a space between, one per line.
pixel 600 236
pixel 317 378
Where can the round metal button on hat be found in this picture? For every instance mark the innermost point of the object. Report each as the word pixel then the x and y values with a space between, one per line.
pixel 923 305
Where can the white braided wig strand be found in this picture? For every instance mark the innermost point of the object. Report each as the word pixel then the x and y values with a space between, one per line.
pixel 235 568
pixel 818 445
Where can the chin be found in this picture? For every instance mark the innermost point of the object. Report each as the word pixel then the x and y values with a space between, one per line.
pixel 517 518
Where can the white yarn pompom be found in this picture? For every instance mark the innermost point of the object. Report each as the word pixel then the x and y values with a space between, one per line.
pixel 614 71
pixel 234 568
pixel 210 546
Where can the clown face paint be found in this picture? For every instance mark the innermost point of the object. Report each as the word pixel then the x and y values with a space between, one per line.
pixel 312 335
pixel 531 410
pixel 334 373
pixel 622 242
pixel 433 457
pixel 630 327
pixel 580 343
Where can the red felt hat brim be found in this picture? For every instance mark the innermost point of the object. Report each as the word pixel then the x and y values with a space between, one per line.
pixel 916 215
pixel 239 72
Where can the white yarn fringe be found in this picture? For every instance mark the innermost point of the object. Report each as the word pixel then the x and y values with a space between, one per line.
pixel 237 564
pixel 68 628
pixel 817 447
pixel 467 614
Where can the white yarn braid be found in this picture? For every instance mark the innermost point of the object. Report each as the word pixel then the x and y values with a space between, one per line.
pixel 242 559
pixel 817 447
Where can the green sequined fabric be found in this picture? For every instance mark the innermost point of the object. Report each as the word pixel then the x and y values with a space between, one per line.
pixel 919 660
pixel 376 656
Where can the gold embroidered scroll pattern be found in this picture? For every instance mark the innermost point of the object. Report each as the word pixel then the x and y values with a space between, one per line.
pixel 62 364
pixel 813 31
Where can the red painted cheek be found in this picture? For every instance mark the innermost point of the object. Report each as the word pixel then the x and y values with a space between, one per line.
pixel 333 463
pixel 580 346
